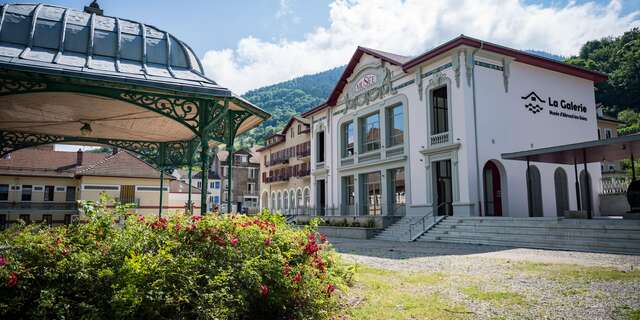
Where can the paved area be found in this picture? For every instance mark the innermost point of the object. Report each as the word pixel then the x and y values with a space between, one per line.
pixel 550 284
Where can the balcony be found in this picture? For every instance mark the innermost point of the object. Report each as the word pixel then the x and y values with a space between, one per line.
pixel 439 138
pixel 26 207
pixel 287 174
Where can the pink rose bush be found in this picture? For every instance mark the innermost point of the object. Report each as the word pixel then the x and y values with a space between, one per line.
pixel 176 267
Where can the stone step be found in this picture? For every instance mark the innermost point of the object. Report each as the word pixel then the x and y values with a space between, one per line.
pixel 532 241
pixel 571 232
pixel 549 225
pixel 538 245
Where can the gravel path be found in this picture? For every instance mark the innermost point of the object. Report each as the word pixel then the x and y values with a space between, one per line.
pixel 493 268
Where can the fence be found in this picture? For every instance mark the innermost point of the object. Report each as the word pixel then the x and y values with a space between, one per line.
pixel 614 185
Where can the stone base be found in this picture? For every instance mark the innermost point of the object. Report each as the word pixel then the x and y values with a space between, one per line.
pixel 348 232
pixel 575 214
pixel 632 216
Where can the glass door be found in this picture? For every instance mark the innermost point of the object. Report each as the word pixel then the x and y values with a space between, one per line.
pixel 444 190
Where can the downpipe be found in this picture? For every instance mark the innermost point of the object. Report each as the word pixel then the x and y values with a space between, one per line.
pixel 475 124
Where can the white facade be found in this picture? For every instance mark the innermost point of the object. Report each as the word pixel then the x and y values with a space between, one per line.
pixel 489 113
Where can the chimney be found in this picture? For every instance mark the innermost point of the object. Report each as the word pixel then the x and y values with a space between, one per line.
pixel 79 157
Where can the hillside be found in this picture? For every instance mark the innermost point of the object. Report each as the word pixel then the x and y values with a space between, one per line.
pixel 288 98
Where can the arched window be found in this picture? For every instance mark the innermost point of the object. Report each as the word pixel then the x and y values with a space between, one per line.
pixel 273 201
pixel 306 198
pixel 562 191
pixel 299 198
pixel 279 198
pixel 285 200
pixel 292 201
pixel 492 189
pixel 534 192
pixel 265 200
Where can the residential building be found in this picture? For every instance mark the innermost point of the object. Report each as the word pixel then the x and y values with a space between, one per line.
pixel 245 182
pixel 285 168
pixel 607 129
pixel 214 187
pixel 417 135
pixel 43 184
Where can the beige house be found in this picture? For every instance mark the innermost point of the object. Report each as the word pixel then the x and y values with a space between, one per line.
pixel 284 164
pixel 39 184
pixel 614 178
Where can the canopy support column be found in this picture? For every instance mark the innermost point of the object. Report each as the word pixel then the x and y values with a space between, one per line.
pixel 575 171
pixel 230 138
pixel 204 156
pixel 633 168
pixel 189 202
pixel 163 153
pixel 529 196
pixel 588 183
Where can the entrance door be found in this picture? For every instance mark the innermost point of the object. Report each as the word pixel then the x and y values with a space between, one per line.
pixel 322 202
pixel 127 194
pixel 562 191
pixel 492 190
pixel 70 194
pixel 444 190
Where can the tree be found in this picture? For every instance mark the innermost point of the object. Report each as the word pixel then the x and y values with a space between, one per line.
pixel 619 57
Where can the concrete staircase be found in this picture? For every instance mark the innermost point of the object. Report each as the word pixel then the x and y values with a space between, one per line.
pixel 612 236
pixel 398 231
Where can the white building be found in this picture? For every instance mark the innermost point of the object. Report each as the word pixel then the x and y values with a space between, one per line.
pixel 409 135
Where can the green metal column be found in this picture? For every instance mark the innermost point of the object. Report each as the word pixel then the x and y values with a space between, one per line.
pixel 163 151
pixel 189 203
pixel 230 136
pixel 204 154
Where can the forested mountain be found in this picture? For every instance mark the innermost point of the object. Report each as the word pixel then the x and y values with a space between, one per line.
pixel 288 98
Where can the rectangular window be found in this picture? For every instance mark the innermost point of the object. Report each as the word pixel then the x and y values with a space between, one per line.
pixel 67 218
pixel 396 125
pixel 199 184
pixel 397 186
pixel 26 218
pixel 71 194
pixel 607 133
pixel 372 193
pixel 4 192
pixel 48 193
pixel 48 219
pixel 216 199
pixel 26 192
pixel 349 191
pixel 151 188
pixel 251 187
pixel 347 139
pixel 440 111
pixel 211 184
pixel 216 184
pixel 320 146
pixel 370 132
pixel 101 188
pixel 61 188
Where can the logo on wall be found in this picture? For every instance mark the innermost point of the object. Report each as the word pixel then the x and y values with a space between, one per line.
pixel 367 85
pixel 367 81
pixel 532 102
pixel 557 107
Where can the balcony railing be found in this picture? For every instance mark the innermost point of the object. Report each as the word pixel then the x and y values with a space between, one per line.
pixel 59 206
pixel 614 185
pixel 440 138
pixel 286 176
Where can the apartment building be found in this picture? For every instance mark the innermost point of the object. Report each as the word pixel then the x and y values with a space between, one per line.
pixel 285 169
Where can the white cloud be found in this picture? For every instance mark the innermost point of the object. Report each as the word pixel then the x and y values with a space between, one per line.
pixel 411 27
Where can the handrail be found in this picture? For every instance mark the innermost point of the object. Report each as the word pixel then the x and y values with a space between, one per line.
pixel 423 221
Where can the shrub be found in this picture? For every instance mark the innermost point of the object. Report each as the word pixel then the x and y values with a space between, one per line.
pixel 211 267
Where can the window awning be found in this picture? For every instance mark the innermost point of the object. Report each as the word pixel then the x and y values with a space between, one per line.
pixel 594 151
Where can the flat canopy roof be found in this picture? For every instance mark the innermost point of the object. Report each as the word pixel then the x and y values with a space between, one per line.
pixel 595 151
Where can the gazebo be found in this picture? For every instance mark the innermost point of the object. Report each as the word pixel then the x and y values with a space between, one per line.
pixel 69 76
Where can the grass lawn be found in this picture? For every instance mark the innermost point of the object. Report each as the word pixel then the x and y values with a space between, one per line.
pixel 385 294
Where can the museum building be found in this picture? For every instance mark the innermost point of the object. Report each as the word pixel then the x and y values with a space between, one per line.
pixel 415 135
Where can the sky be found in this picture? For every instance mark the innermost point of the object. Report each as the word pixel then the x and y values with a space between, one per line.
pixel 249 44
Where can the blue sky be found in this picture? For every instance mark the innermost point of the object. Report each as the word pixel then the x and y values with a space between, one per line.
pixel 247 44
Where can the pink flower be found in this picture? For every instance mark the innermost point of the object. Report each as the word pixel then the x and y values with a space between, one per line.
pixel 267 242
pixel 140 218
pixel 286 269
pixel 297 278
pixel 264 290
pixel 2 261
pixel 196 218
pixel 330 289
pixel 323 238
pixel 178 227
pixel 234 241
pixel 13 280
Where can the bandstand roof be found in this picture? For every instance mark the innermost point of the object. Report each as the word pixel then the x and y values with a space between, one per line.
pixel 63 69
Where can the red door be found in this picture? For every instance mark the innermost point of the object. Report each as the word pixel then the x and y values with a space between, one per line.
pixel 492 190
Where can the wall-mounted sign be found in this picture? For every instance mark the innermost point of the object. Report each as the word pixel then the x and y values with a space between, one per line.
pixel 370 84
pixel 556 107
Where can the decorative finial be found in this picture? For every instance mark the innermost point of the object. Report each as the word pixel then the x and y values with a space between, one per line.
pixel 93 7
